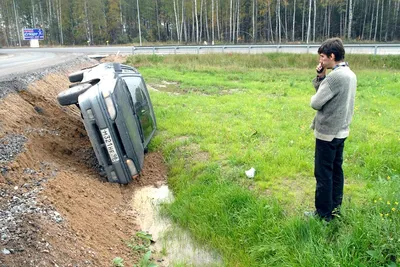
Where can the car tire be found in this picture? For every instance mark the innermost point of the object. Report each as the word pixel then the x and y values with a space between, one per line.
pixel 76 77
pixel 70 96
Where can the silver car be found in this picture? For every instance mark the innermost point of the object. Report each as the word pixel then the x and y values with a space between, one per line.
pixel 117 114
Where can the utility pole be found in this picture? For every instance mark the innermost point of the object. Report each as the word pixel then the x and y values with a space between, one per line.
pixel 138 18
pixel 16 24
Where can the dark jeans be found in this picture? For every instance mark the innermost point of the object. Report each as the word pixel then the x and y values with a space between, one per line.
pixel 329 175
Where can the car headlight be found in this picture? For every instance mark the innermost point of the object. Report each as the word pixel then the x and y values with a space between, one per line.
pixel 109 104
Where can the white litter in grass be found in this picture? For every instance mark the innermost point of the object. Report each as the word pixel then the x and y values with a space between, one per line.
pixel 250 173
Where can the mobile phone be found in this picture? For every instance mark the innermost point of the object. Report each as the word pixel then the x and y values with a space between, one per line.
pixel 321 70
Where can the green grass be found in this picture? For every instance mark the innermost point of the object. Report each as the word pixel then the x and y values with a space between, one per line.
pixel 219 115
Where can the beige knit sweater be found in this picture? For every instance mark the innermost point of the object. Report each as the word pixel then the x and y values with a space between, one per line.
pixel 334 102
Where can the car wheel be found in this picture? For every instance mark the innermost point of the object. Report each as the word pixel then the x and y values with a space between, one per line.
pixel 75 76
pixel 70 96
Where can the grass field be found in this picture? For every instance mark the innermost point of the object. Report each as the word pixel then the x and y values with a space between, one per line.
pixel 219 115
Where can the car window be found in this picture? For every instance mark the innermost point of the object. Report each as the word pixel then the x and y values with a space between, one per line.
pixel 128 95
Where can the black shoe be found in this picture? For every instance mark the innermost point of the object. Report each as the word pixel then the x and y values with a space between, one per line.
pixel 314 214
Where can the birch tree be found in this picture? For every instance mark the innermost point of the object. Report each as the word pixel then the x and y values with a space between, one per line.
pixel 182 22
pixel 176 22
pixel 270 21
pixel 212 22
pixel 87 23
pixel 197 21
pixel 59 19
pixel 201 20
pixel 17 23
pixel 315 18
pixel 376 20
pixel 230 21
pixel 350 19
pixel 329 20
pixel 33 14
pixel 286 19
pixel 238 20
pixel 4 40
pixel 138 17
pixel 234 22
pixel 278 21
pixel 218 27
pixel 206 19
pixel 294 19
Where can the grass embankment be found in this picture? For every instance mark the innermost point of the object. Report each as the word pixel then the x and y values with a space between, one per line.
pixel 219 115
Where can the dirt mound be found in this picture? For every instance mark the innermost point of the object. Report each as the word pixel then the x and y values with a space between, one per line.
pixel 55 209
pixel 114 58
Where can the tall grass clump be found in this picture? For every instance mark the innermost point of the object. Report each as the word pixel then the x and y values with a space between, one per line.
pixel 219 115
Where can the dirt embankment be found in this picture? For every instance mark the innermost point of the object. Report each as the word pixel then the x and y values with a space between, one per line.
pixel 55 209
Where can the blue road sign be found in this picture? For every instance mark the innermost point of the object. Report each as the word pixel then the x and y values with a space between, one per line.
pixel 33 34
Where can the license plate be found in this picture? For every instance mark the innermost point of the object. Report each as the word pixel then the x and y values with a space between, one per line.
pixel 109 144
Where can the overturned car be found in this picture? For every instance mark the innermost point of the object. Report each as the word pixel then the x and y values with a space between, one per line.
pixel 118 116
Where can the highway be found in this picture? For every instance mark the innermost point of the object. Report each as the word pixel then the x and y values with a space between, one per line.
pixel 18 60
pixel 14 63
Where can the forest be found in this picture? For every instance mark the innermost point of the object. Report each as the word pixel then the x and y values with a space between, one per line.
pixel 103 22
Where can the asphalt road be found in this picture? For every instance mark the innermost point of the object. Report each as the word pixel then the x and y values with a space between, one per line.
pixel 14 63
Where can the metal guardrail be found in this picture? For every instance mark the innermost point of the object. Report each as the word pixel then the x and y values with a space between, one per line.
pixel 373 49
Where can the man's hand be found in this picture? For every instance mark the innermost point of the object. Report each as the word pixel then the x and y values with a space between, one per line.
pixel 320 71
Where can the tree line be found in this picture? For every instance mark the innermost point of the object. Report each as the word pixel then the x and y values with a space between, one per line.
pixel 99 22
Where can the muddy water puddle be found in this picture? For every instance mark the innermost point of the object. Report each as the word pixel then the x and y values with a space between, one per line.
pixel 172 244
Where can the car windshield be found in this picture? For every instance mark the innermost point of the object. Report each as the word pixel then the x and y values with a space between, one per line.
pixel 142 106
pixel 133 83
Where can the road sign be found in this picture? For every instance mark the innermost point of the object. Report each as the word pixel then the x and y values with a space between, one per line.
pixel 33 34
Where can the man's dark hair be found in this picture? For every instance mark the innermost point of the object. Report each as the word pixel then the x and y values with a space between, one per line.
pixel 332 46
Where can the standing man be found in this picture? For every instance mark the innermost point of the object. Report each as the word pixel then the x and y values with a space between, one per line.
pixel 334 102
